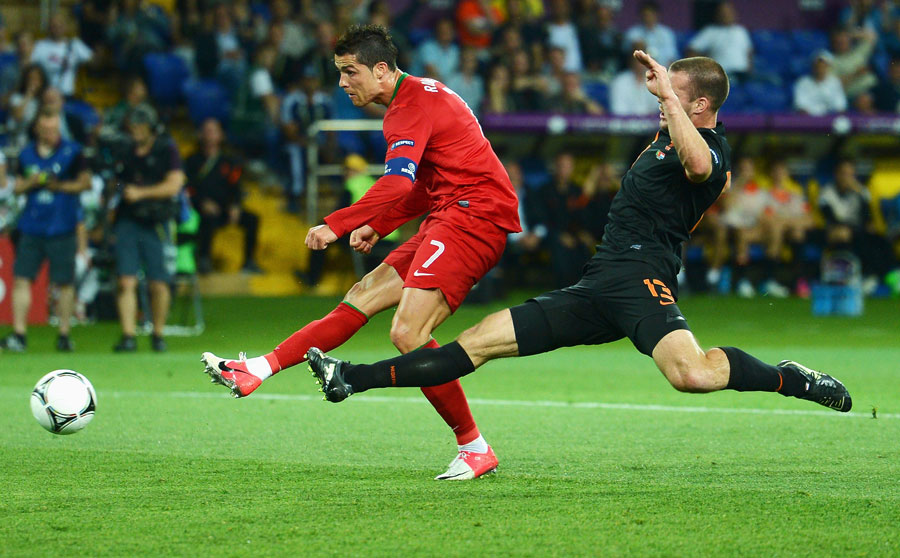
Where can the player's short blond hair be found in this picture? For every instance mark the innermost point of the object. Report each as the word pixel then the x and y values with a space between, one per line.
pixel 706 78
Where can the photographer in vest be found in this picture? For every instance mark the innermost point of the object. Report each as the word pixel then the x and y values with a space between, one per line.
pixel 150 177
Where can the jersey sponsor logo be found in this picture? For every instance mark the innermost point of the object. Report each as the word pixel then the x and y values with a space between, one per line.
pixel 660 155
pixel 398 143
pixel 418 273
pixel 714 156
pixel 401 166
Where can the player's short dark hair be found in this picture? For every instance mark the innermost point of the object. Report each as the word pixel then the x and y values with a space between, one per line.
pixel 370 44
pixel 706 78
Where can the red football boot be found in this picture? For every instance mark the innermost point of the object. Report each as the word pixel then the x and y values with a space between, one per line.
pixel 232 374
pixel 470 465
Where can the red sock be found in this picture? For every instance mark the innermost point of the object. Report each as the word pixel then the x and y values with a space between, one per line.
pixel 449 401
pixel 327 333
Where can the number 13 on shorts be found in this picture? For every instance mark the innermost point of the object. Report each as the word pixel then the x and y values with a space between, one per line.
pixel 663 294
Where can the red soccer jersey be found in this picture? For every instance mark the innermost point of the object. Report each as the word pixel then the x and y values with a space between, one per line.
pixel 435 142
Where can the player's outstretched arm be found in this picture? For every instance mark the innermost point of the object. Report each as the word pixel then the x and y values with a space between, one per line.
pixel 387 191
pixel 692 149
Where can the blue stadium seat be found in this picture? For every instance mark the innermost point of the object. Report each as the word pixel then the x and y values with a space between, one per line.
pixel 7 58
pixel 737 99
pixel 166 74
pixel 808 41
pixel 682 38
pixel 767 97
pixel 206 98
pixel 598 91
pixel 84 111
pixel 773 51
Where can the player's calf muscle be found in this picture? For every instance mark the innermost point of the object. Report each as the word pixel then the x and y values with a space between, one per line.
pixel 493 337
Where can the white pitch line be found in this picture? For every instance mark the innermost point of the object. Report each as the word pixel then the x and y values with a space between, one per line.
pixel 522 403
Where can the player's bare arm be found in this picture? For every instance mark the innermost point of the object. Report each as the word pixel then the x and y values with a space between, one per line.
pixel 682 116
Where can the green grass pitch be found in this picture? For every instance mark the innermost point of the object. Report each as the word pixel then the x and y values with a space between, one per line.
pixel 598 455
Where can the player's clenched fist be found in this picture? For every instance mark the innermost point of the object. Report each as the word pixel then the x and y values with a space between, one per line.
pixel 363 239
pixel 319 237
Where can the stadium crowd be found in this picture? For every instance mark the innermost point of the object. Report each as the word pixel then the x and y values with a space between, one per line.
pixel 251 76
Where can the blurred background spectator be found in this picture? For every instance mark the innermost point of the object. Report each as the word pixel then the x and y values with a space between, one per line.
pixel 727 41
pixel 820 92
pixel 214 187
pixel 60 55
pixel 658 38
pixel 52 173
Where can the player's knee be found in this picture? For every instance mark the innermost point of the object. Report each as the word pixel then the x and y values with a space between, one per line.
pixel 127 283
pixel 406 338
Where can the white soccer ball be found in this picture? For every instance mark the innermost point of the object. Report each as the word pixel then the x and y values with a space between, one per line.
pixel 63 402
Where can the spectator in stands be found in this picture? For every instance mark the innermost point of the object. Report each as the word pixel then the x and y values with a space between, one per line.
pixel 24 104
pixel 526 246
pixel 232 59
pixel 304 104
pixel 11 73
pixel 528 87
pixel 214 186
pixel 887 94
pixel 628 94
pixel 71 127
pixel 95 17
pixel 852 51
pixel 554 71
pixel 790 222
pixel 467 83
pixel 138 28
pixel 726 41
pixel 257 108
pixel 571 242
pixel 573 99
pixel 295 40
pixel 52 173
pixel 438 58
pixel 499 97
pixel 660 39
pixel 60 56
pixel 866 14
pixel 522 29
pixel 321 56
pixel 476 21
pixel 745 216
pixel 151 177
pixel 507 43
pixel 821 91
pixel 600 41
pixel 134 94
pixel 845 205
pixel 562 33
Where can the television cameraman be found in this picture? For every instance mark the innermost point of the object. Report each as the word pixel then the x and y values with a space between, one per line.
pixel 52 173
pixel 149 179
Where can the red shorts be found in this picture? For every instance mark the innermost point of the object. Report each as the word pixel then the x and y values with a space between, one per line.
pixel 448 257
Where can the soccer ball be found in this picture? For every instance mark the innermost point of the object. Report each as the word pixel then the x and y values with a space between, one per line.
pixel 63 401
